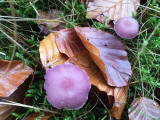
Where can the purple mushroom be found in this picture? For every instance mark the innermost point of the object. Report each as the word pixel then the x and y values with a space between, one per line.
pixel 126 27
pixel 67 86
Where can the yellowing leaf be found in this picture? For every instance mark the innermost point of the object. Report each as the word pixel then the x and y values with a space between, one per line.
pixel 12 75
pixel 49 53
pixel 111 9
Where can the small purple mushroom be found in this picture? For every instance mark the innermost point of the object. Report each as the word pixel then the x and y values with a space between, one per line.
pixel 126 27
pixel 67 86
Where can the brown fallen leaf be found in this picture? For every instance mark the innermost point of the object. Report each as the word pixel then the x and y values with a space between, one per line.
pixel 120 98
pixel 11 78
pixel 49 21
pixel 144 108
pixel 5 111
pixel 84 61
pixel 110 9
pixel 17 96
pixel 49 53
pixel 108 53
pixel 68 42
pixel 81 58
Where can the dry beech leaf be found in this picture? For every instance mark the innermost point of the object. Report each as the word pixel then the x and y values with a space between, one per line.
pixel 111 9
pixel 81 58
pixel 5 111
pixel 143 108
pixel 49 53
pixel 120 98
pixel 73 48
pixel 84 61
pixel 108 53
pixel 68 42
pixel 17 96
pixel 12 78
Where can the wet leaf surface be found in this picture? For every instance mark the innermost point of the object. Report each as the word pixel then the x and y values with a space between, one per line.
pixel 49 53
pixel 108 53
pixel 12 75
pixel 68 42
pixel 143 108
pixel 82 57
pixel 83 60
pixel 17 96
pixel 5 111
pixel 120 98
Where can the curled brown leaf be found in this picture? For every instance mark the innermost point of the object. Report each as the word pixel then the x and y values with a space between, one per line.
pixel 17 96
pixel 68 42
pixel 120 98
pixel 81 57
pixel 84 61
pixel 49 53
pixel 108 53
pixel 5 111
pixel 13 76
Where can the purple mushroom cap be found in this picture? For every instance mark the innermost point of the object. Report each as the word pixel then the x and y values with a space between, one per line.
pixel 67 86
pixel 126 27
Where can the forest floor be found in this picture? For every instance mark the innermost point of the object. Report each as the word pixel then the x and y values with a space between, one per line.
pixel 143 52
